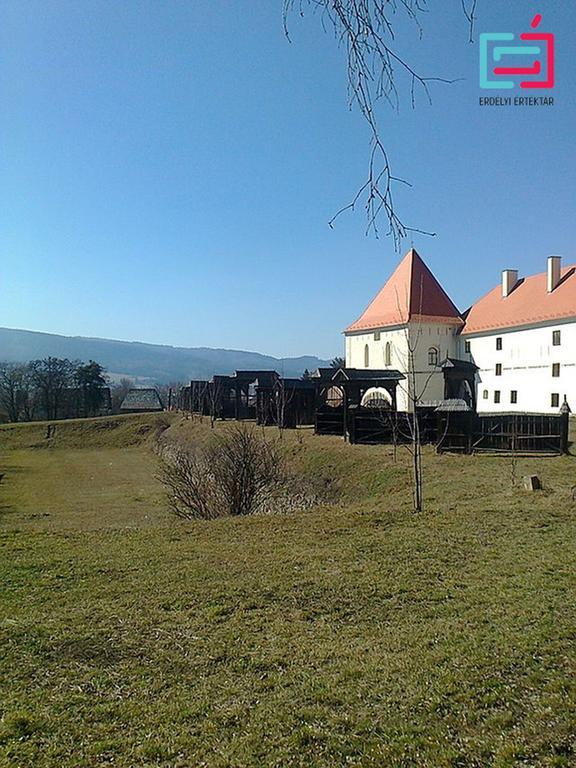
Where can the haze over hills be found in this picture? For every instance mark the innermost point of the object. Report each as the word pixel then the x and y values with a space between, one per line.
pixel 146 362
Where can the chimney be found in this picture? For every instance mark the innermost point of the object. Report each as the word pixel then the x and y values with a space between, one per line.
pixel 554 272
pixel 509 280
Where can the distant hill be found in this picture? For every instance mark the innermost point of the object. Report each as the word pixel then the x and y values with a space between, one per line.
pixel 146 362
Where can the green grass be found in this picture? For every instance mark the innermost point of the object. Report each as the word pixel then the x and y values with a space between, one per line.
pixel 356 634
pixel 102 432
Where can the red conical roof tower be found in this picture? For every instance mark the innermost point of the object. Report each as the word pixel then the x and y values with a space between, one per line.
pixel 412 294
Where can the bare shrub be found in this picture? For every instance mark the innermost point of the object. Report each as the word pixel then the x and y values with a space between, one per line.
pixel 191 487
pixel 246 468
pixel 239 473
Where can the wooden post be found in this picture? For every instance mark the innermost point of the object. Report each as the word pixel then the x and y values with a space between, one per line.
pixel 352 422
pixel 564 426
pixel 237 391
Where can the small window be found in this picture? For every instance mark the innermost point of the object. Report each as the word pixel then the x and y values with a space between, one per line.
pixel 376 335
pixel 485 394
pixel 432 356
pixel 498 369
pixel 387 354
pixel 498 342
pixel 466 346
pixel 555 370
pixel 555 338
pixel 366 356
pixel 513 396
pixel 496 395
pixel 555 400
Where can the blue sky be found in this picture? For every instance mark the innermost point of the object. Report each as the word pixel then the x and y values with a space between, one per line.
pixel 168 170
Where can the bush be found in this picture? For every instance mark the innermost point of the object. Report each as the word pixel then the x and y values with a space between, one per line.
pixel 191 486
pixel 239 473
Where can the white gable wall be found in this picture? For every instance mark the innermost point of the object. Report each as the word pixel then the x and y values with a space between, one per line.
pixel 429 380
pixel 356 348
pixel 526 357
pixel 424 337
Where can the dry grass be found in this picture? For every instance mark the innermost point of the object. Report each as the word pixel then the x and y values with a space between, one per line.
pixel 355 634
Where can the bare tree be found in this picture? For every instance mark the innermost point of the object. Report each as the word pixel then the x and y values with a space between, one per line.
pixel 366 29
pixel 281 398
pixel 389 419
pixel 169 393
pixel 28 400
pixel 14 390
pixel 414 391
pixel 214 395
pixel 52 376
pixel 414 424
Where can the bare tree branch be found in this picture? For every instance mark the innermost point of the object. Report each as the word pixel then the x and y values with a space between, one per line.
pixel 365 29
pixel 469 8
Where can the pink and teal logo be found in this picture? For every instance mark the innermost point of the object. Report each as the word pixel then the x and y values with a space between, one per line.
pixel 535 53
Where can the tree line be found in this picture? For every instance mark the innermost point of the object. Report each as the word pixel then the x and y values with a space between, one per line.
pixel 53 388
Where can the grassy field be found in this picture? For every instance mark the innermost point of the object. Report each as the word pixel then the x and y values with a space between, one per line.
pixel 352 634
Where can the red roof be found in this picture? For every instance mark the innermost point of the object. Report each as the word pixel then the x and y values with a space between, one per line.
pixel 528 303
pixel 411 294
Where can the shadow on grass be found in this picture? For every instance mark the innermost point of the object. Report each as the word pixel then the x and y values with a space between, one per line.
pixel 8 472
pixel 5 510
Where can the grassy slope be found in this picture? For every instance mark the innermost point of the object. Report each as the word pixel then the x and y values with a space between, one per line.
pixel 357 634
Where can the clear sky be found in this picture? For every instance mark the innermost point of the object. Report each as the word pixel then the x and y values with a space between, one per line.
pixel 168 169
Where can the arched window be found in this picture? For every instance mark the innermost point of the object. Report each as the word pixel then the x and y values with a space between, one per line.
pixel 366 356
pixel 377 397
pixel 432 356
pixel 334 397
pixel 387 353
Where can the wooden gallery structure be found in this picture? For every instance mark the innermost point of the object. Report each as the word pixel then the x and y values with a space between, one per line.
pixel 360 405
pixel 288 403
pixel 345 395
pixel 260 395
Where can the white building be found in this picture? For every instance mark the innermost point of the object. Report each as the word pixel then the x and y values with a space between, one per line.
pixel 513 350
pixel 522 337
pixel 411 320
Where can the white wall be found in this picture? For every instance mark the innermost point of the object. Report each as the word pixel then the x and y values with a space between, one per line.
pixel 429 381
pixel 526 357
